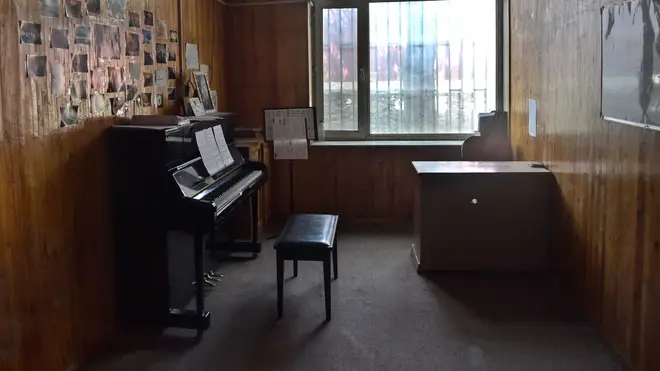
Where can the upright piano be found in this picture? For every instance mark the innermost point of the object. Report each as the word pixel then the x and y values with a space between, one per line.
pixel 160 184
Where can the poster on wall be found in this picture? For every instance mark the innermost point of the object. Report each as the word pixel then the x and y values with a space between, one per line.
pixel 630 91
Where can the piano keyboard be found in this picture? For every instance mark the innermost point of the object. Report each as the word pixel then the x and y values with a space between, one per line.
pixel 235 191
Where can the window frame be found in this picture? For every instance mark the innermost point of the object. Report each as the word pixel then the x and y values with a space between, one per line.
pixel 315 10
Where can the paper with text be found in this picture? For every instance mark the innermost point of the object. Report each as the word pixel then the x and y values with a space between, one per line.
pixel 208 149
pixel 220 140
pixel 290 139
pixel 272 117
pixel 308 115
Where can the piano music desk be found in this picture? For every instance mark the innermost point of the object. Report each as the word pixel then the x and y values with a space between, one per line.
pixel 481 216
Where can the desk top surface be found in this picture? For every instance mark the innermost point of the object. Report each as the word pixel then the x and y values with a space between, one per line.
pixel 475 167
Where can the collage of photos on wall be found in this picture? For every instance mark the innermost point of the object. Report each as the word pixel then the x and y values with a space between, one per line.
pixel 101 58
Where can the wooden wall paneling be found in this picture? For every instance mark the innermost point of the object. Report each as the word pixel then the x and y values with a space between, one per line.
pixel 607 173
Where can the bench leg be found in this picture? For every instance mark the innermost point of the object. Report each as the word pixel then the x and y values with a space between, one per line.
pixel 334 257
pixel 326 284
pixel 280 285
pixel 295 268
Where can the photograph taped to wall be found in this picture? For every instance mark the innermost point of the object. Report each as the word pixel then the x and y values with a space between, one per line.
pixel 117 9
pixel 57 80
pixel 36 65
pixel 100 80
pixel 50 8
pixel 146 36
pixel 172 55
pixel 171 73
pixel 68 115
pixel 82 35
pixel 630 74
pixel 107 41
pixel 148 18
pixel 93 7
pixel 79 89
pixel 131 92
pixel 133 19
pixel 116 80
pixel 79 63
pixel 148 79
pixel 203 91
pixel 134 70
pixel 148 58
pixel 161 30
pixel 161 78
pixel 171 95
pixel 99 105
pixel 73 9
pixel 161 53
pixel 59 38
pixel 132 44
pixel 158 100
pixel 174 36
pixel 30 33
pixel 118 106
pixel 146 99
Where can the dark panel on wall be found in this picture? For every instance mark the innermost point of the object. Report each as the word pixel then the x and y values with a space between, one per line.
pixel 607 241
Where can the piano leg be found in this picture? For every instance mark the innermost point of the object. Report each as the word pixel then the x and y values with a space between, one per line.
pixel 199 278
pixel 254 216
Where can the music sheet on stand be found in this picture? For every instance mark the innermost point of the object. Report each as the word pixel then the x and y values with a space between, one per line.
pixel 221 142
pixel 290 138
pixel 208 149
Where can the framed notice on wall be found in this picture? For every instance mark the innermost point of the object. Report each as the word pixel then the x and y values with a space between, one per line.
pixel 630 90
pixel 276 115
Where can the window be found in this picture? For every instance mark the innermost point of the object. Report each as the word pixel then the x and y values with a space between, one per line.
pixel 404 69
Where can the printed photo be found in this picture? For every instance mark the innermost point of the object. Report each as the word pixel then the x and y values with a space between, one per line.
pixel 203 90
pixel 161 30
pixel 133 19
pixel 36 65
pixel 161 78
pixel 99 105
pixel 100 80
pixel 79 63
pixel 131 92
pixel 82 35
pixel 50 8
pixel 132 44
pixel 148 18
pixel 161 53
pixel 79 89
pixel 148 58
pixel 158 100
pixel 174 36
pixel 106 41
pixel 214 98
pixel 116 80
pixel 146 99
pixel 59 38
pixel 171 73
pixel 73 9
pixel 146 37
pixel 68 115
pixel 30 33
pixel 118 106
pixel 171 95
pixel 93 7
pixel 172 55
pixel 57 81
pixel 134 71
pixel 117 9
pixel 148 79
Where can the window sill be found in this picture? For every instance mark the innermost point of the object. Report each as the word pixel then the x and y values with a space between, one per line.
pixel 386 143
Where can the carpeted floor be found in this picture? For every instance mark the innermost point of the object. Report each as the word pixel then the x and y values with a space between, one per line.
pixel 385 317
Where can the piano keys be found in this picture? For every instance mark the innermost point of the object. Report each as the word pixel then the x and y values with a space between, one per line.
pixel 160 184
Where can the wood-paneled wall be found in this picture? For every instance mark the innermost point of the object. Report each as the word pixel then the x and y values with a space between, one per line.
pixel 267 54
pixel 56 268
pixel 607 240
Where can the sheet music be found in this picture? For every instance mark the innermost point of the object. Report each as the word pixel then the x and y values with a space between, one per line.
pixel 308 114
pixel 290 139
pixel 208 149
pixel 221 142
pixel 273 117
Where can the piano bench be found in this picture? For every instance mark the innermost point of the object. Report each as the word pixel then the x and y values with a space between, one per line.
pixel 307 237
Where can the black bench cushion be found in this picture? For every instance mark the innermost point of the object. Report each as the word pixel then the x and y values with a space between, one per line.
pixel 308 230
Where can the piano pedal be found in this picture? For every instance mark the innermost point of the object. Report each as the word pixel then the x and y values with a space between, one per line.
pixel 215 274
pixel 207 282
pixel 212 278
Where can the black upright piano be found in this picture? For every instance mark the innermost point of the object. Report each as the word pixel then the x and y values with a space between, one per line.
pixel 160 184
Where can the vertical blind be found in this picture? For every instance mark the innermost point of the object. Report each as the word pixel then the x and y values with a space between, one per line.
pixel 431 66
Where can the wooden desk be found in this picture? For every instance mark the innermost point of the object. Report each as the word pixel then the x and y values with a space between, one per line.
pixel 490 216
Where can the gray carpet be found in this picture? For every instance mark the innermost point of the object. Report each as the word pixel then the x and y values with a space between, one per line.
pixel 385 317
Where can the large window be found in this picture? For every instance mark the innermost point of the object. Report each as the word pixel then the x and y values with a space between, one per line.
pixel 404 69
